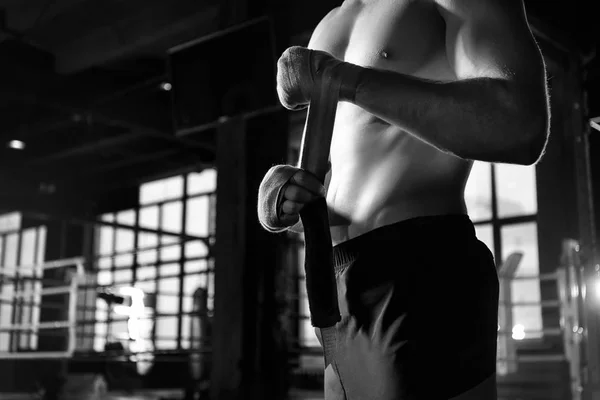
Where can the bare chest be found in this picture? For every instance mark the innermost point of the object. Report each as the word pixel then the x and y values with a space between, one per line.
pixel 406 36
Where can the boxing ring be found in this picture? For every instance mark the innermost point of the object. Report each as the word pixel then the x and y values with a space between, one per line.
pixel 27 292
pixel 66 325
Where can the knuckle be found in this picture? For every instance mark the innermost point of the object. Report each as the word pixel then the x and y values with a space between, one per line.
pixel 299 176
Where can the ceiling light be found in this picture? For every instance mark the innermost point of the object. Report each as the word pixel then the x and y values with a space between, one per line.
pixel 166 86
pixel 16 144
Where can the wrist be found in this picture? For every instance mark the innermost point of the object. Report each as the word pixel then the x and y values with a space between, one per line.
pixel 349 75
pixel 346 75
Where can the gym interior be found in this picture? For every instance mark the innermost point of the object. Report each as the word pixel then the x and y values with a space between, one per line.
pixel 134 136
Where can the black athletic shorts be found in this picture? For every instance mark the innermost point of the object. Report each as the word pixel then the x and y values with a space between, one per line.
pixel 419 305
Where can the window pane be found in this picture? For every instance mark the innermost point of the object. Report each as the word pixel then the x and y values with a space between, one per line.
pixel 149 217
pixel 104 263
pixel 203 182
pixel 100 336
pixel 164 189
pixel 196 248
pixel 146 257
pixel 123 277
pixel 125 236
pixel 104 278
pixel 516 191
pixel 105 240
pixel 195 266
pixel 166 332
pixel 126 217
pixel 124 240
pixel 478 192
pixel 169 270
pixel 171 221
pixel 197 216
pixel 171 216
pixel 146 273
pixel 167 300
pixel 170 252
pixel 124 260
pixel 523 238
pixel 486 235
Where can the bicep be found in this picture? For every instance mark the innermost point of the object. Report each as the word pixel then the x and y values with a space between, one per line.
pixel 491 39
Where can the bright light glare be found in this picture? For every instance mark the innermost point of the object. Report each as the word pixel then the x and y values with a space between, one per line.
pixel 518 332
pixel 597 286
pixel 131 291
pixel 166 86
pixel 121 310
pixel 16 144
pixel 134 312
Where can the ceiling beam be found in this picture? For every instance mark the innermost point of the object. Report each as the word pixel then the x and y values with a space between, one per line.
pixel 58 93
pixel 155 28
pixel 84 149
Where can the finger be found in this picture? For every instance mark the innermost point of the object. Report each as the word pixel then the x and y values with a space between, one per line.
pixel 308 181
pixel 377 327
pixel 291 207
pixel 298 194
pixel 390 339
pixel 352 329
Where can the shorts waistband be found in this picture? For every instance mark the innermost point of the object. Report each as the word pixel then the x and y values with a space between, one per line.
pixel 457 225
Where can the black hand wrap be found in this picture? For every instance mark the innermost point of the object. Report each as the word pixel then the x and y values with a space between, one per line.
pixel 270 197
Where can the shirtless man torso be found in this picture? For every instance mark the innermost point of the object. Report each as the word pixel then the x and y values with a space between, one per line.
pixel 380 173
pixel 428 86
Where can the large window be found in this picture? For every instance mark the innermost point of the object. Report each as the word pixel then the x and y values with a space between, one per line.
pixel 160 249
pixel 21 255
pixel 502 202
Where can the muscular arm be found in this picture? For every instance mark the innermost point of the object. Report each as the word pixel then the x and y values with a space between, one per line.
pixel 496 111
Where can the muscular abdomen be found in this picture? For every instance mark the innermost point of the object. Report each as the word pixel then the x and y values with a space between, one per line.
pixel 379 173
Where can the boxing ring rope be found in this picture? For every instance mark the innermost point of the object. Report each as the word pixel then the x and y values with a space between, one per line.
pixel 71 289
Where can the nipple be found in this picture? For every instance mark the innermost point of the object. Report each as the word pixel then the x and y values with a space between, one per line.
pixel 384 54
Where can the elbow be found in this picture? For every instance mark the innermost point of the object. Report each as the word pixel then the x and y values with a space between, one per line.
pixel 536 133
pixel 532 130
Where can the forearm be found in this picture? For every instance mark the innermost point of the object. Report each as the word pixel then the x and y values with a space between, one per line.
pixel 480 119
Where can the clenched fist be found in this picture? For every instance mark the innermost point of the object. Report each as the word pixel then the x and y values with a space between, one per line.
pixel 283 193
pixel 299 69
